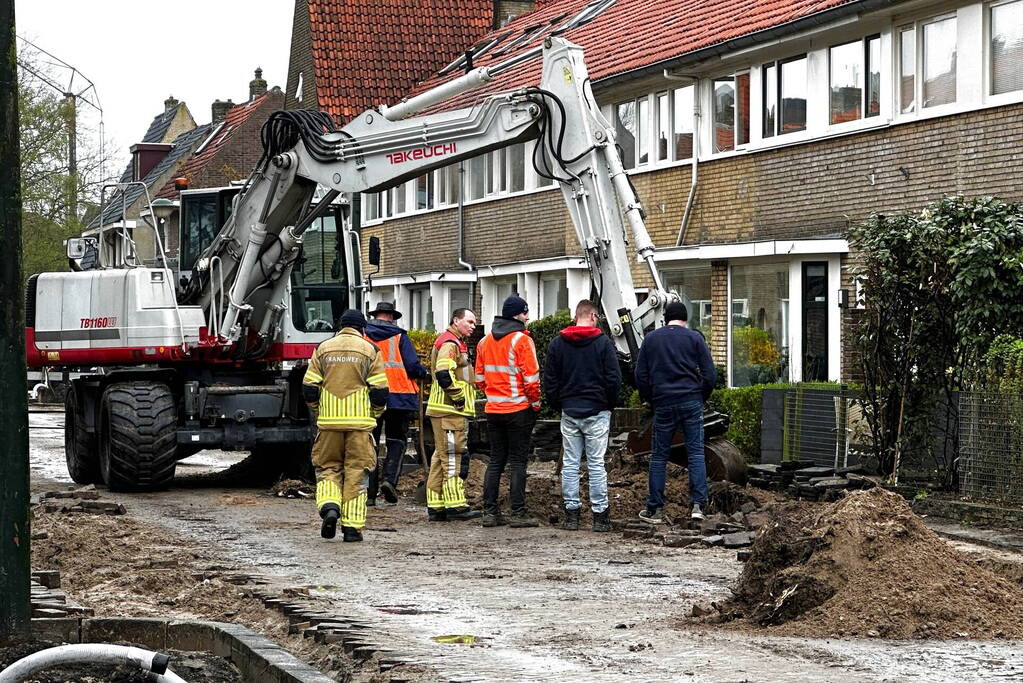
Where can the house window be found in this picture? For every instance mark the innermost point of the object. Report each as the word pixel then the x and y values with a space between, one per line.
pixel 682 122
pixel 424 192
pixel 759 323
pixel 396 201
pixel 516 158
pixel 692 284
pixel 907 70
pixel 928 49
pixel 1006 47
pixel 553 294
pixel 784 85
pixel 663 110
pixel 421 313
pixel 477 180
pixel 447 185
pixel 855 80
pixel 642 132
pixel 731 112
pixel 459 297
pixel 625 132
pixel 371 206
pixel 939 63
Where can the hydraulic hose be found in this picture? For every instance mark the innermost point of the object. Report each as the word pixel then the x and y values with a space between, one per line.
pixel 153 662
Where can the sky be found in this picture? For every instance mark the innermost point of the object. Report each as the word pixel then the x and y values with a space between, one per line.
pixel 138 52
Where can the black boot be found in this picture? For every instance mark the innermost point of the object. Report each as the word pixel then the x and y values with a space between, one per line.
pixel 350 534
pixel 602 520
pixel 437 515
pixel 571 521
pixel 463 513
pixel 330 514
pixel 392 470
pixel 492 519
pixel 522 520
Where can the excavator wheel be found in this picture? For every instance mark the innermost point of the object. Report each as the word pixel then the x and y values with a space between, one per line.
pixel 81 449
pixel 138 436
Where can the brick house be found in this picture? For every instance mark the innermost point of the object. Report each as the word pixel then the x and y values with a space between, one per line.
pixel 802 116
pixel 227 154
pixel 171 134
pixel 350 55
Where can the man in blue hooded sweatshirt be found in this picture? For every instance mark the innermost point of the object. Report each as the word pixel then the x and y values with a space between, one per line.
pixel 402 366
pixel 675 375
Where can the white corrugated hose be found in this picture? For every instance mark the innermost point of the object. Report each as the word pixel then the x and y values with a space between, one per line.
pixel 89 654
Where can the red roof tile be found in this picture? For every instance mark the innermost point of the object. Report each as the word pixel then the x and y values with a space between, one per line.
pixel 632 34
pixel 371 52
pixel 221 135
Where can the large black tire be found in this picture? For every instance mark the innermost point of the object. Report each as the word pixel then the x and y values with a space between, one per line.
pixel 81 449
pixel 138 436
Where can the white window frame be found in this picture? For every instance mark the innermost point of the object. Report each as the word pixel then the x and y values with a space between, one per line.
pixel 709 126
pixel 920 111
pixel 1002 98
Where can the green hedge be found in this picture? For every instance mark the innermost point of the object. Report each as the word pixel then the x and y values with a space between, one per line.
pixel 745 407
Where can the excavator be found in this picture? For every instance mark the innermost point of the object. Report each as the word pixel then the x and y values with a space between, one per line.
pixel 204 354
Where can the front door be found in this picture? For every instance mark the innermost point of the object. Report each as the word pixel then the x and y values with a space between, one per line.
pixel 815 321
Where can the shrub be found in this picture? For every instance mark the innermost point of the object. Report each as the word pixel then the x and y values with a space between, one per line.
pixel 1003 364
pixel 423 341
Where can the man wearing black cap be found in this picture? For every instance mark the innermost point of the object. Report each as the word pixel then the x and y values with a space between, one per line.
pixel 508 373
pixel 402 366
pixel 346 388
pixel 675 374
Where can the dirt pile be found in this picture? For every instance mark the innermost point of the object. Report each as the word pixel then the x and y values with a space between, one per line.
pixel 120 566
pixel 867 566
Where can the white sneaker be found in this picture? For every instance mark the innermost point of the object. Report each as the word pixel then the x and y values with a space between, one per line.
pixel 697 512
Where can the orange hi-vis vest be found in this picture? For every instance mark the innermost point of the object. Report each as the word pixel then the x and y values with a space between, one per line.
pixel 398 381
pixel 508 373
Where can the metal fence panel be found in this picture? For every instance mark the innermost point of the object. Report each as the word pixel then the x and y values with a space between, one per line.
pixel 991 446
pixel 816 427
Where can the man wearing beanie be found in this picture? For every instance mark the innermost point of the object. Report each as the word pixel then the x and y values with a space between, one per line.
pixel 346 388
pixel 675 374
pixel 508 373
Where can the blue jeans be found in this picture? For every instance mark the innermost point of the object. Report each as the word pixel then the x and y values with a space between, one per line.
pixel 667 419
pixel 585 435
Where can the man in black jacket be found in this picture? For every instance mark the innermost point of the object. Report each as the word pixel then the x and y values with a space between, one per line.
pixel 675 374
pixel 582 378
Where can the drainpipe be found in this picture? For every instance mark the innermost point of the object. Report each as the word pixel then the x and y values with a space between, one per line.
pixel 684 227
pixel 461 230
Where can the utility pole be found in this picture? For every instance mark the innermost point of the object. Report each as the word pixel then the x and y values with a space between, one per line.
pixel 71 112
pixel 15 553
pixel 88 95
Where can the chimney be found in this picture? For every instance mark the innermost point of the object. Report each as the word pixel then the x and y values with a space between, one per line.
pixel 145 156
pixel 170 103
pixel 220 109
pixel 257 86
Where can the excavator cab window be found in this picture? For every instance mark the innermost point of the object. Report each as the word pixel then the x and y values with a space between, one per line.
pixel 203 214
pixel 319 281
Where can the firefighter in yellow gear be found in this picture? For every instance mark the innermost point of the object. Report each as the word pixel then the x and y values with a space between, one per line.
pixel 346 387
pixel 450 406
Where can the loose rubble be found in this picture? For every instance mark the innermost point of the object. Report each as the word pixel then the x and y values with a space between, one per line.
pixel 805 480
